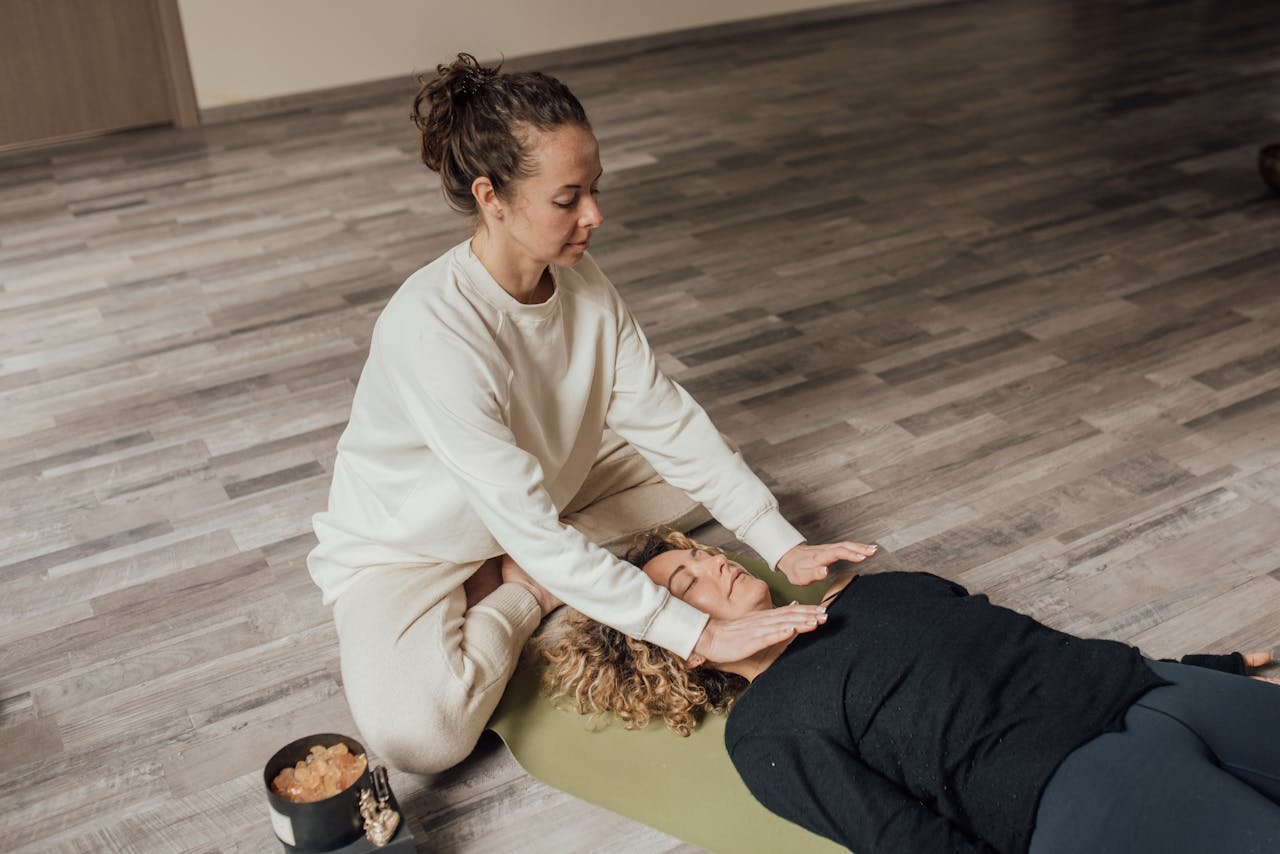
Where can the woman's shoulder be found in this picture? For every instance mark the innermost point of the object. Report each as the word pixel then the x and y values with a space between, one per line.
pixel 758 709
pixel 432 323
pixel 435 297
pixel 899 582
pixel 445 267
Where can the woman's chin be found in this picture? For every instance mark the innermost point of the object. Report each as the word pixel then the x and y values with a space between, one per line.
pixel 761 600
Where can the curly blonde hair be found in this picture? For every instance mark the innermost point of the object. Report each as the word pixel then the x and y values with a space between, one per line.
pixel 601 670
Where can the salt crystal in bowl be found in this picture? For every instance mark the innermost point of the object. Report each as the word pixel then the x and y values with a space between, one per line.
pixel 320 825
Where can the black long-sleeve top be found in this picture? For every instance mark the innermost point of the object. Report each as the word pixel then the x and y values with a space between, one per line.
pixel 922 719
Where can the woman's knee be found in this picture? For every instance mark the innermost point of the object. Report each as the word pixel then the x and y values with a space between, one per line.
pixel 414 699
pixel 421 753
pixel 425 737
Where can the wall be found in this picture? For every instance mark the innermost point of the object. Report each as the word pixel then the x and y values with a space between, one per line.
pixel 246 50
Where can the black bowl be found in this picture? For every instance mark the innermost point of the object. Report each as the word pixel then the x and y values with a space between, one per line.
pixel 1269 165
pixel 320 825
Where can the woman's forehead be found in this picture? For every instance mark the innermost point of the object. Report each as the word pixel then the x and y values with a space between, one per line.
pixel 566 155
pixel 661 567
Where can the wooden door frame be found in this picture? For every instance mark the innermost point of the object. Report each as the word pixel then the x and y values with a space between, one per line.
pixel 184 108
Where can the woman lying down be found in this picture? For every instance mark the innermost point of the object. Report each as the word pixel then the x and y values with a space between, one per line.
pixel 924 719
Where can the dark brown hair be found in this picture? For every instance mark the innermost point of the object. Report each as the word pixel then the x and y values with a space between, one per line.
pixel 602 671
pixel 474 122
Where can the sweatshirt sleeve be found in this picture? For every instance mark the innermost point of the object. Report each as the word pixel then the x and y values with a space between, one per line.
pixel 819 784
pixel 676 436
pixel 1232 662
pixel 453 400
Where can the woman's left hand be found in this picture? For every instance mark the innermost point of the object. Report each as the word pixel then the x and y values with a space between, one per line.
pixel 805 564
pixel 1254 660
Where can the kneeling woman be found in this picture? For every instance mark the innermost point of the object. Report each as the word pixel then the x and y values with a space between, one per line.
pixel 926 719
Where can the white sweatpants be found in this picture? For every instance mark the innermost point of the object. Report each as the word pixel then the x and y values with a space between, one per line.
pixel 422 673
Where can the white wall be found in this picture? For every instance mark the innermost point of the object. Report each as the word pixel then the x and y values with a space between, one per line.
pixel 245 50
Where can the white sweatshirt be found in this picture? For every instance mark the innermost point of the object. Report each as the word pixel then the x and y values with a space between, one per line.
pixel 477 419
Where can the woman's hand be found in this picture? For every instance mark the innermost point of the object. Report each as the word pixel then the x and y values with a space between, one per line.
pixel 805 564
pixel 724 641
pixel 1254 660
pixel 513 573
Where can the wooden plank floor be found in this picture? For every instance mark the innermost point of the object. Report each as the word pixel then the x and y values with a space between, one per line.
pixel 993 284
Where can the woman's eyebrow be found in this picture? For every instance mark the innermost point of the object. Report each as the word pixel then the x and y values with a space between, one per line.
pixel 672 576
pixel 579 186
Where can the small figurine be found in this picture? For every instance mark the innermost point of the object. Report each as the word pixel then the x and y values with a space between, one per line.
pixel 380 820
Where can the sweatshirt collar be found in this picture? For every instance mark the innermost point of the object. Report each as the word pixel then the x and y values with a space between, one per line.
pixel 483 282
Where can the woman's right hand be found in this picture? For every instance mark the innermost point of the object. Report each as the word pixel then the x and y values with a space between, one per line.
pixel 724 641
pixel 513 573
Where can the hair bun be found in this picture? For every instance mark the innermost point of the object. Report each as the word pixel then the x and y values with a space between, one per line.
pixel 437 111
pixel 464 136
pixel 467 79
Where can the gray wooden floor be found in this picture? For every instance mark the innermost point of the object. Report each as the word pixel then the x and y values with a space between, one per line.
pixel 993 284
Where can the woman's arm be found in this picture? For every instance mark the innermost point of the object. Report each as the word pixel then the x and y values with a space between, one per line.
pixel 819 784
pixel 456 409
pixel 670 430
pixel 668 427
pixel 455 404
pixel 1238 663
pixel 1232 662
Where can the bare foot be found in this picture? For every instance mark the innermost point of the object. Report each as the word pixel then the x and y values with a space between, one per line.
pixel 513 573
pixel 483 581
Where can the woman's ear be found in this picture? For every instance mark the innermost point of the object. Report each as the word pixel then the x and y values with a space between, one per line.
pixel 487 197
pixel 695 660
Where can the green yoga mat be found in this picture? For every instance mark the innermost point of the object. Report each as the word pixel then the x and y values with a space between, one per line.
pixel 686 787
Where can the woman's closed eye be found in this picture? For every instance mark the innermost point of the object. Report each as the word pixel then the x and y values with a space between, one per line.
pixel 693 579
pixel 595 191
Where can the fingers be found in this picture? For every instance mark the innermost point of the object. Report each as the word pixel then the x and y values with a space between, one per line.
pixel 779 635
pixel 1256 659
pixel 805 577
pixel 794 613
pixel 864 549
pixel 779 632
pixel 737 639
pixel 819 558
pixel 853 552
pixel 807 627
pixel 779 623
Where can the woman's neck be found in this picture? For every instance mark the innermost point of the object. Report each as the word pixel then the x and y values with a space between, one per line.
pixel 527 280
pixel 751 668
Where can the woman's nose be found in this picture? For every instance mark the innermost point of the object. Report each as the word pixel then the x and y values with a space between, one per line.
pixel 592 216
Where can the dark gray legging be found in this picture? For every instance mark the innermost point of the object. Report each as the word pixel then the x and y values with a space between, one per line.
pixel 1196 769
